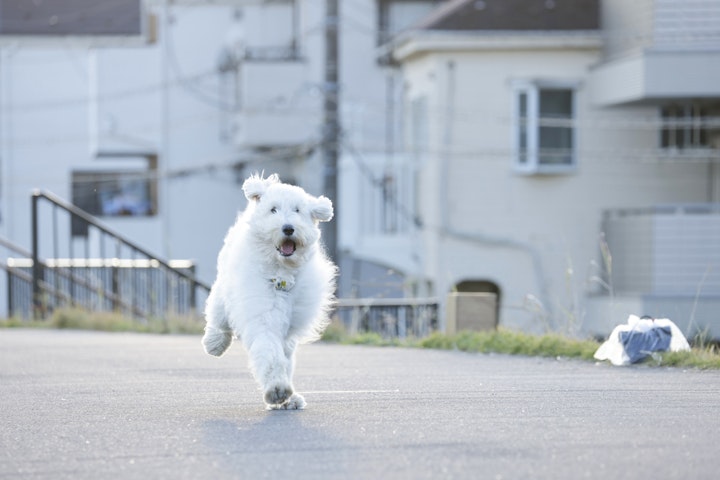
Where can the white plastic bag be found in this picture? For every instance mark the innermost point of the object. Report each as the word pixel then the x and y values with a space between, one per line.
pixel 614 348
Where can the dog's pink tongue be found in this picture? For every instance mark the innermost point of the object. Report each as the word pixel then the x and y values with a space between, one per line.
pixel 287 247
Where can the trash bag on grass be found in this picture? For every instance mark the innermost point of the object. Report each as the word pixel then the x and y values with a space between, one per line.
pixel 634 341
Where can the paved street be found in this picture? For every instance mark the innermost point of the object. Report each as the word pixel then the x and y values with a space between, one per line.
pixel 101 405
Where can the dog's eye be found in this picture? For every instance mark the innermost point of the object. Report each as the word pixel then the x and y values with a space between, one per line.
pixel 297 210
pixel 273 210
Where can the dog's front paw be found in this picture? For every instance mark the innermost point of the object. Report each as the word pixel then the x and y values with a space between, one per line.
pixel 295 402
pixel 278 394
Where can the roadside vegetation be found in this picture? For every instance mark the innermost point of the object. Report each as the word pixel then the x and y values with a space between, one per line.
pixel 504 341
pixel 78 319
pixel 703 355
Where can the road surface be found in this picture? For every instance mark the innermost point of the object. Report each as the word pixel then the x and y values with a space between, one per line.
pixel 102 405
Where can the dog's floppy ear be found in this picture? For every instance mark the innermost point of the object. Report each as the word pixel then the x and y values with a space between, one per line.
pixel 322 209
pixel 255 186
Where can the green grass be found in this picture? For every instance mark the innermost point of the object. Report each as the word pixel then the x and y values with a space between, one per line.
pixel 517 343
pixel 513 343
pixel 702 358
pixel 495 341
pixel 78 319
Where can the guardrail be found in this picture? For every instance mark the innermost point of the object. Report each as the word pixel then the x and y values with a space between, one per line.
pixel 389 317
pixel 100 269
pixel 104 271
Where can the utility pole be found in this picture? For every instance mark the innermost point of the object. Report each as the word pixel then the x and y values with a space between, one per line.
pixel 331 122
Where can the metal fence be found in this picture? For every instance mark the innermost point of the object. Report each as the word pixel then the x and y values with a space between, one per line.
pixel 97 270
pixel 100 270
pixel 136 288
pixel 389 317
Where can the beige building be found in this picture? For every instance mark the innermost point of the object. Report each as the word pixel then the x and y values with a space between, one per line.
pixel 541 133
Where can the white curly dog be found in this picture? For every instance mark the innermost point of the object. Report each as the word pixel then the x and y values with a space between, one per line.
pixel 274 285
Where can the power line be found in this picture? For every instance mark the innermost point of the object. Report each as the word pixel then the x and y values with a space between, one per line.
pixel 191 87
pixel 78 101
pixel 381 184
pixel 203 167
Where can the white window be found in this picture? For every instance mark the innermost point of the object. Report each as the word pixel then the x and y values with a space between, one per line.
pixel 543 127
pixel 121 188
pixel 684 126
pixel 395 16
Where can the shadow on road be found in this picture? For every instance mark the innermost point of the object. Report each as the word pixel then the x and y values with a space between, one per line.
pixel 269 442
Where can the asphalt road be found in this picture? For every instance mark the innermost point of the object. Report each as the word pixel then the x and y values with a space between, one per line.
pixel 98 405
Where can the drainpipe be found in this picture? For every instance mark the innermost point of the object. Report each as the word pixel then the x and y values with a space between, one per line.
pixel 447 230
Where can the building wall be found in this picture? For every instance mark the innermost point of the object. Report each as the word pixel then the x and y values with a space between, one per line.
pixel 627 26
pixel 43 124
pixel 631 27
pixel 688 25
pixel 65 102
pixel 537 236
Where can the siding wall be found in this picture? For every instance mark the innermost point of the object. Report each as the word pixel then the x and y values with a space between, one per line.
pixel 533 235
pixel 632 26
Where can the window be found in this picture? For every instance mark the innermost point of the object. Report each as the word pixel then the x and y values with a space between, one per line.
pixel 684 127
pixel 125 188
pixel 397 15
pixel 544 134
pixel 71 17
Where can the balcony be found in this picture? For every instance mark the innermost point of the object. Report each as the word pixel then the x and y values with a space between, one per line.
pixel 655 75
pixel 670 250
pixel 665 262
pixel 278 105
pixel 658 49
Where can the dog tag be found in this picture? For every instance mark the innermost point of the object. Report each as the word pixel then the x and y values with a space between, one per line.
pixel 282 284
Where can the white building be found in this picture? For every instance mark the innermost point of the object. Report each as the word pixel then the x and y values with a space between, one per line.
pixel 133 127
pixel 150 113
pixel 539 126
pixel 486 148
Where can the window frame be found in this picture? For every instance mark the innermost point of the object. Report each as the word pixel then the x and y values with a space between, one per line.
pixel 688 120
pixel 125 167
pixel 531 90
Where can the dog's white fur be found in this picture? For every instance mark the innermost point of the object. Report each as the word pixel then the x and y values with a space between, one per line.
pixel 267 295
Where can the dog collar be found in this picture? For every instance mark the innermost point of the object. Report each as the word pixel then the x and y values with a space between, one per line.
pixel 282 284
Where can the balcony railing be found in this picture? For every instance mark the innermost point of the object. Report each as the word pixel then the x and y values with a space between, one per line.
pixel 666 250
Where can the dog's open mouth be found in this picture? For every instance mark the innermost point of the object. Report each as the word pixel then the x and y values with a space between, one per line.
pixel 286 248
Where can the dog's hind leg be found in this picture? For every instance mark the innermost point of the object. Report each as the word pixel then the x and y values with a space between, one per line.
pixel 218 335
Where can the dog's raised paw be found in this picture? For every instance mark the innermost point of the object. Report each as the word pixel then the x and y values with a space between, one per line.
pixel 216 342
pixel 278 394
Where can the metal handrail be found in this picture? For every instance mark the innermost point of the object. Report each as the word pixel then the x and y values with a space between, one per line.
pixel 390 317
pixel 386 302
pixel 121 242
pixel 105 229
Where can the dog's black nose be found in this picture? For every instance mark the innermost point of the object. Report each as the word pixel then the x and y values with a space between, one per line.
pixel 288 230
